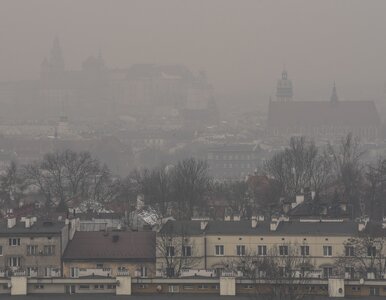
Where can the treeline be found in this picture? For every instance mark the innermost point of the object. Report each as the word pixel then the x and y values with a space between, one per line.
pixel 184 190
pixel 73 178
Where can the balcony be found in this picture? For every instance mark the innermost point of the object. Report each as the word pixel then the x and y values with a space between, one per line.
pixel 105 272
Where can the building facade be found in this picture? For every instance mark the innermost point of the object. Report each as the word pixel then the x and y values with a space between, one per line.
pixel 109 254
pixel 217 246
pixel 33 247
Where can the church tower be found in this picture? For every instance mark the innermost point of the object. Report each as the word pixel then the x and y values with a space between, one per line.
pixel 334 95
pixel 284 90
pixel 56 61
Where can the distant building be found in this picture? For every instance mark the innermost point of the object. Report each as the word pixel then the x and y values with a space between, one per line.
pixel 234 161
pixel 284 91
pixel 323 119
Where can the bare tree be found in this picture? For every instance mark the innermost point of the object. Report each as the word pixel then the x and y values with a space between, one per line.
pixel 375 189
pixel 12 185
pixel 190 184
pixel 156 187
pixel 283 267
pixel 295 167
pixel 176 249
pixel 348 171
pixel 67 176
pixel 364 255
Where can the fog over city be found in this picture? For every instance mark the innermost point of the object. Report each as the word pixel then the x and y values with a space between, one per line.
pixel 195 147
pixel 242 45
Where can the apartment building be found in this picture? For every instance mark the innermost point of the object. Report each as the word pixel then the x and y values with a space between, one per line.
pixel 32 247
pixel 215 246
pixel 108 254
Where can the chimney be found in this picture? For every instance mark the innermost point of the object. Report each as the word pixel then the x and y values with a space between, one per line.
pixel 299 199
pixel 27 222
pixel 273 225
pixel 236 218
pixel 275 221
pixel 227 218
pixel 11 222
pixel 362 224
pixel 254 222
pixel 203 225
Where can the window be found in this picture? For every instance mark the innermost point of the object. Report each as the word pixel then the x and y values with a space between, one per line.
pixel 111 286
pixel 349 251
pixel 188 287
pixel 374 291
pixel 39 287
pixel 262 250
pixel 1 250
pixel 371 251
pixel 219 250
pixel 14 261
pixel 349 272
pixel 305 250
pixel 240 250
pixel 202 287
pixel 327 250
pixel 283 250
pixel 142 286
pixel 143 271
pixel 169 251
pixel 174 289
pixel 356 288
pixel 99 266
pixel 49 250
pixel 74 272
pixel 14 242
pixel 327 272
pixel 31 271
pixel 47 271
pixel 186 251
pixel 99 287
pixel 84 287
pixel 32 249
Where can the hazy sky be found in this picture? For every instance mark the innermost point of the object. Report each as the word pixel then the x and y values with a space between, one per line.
pixel 241 44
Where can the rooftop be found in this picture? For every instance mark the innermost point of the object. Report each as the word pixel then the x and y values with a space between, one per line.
pixel 244 227
pixel 40 227
pixel 122 245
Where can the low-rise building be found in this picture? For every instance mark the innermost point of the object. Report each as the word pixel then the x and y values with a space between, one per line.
pixel 218 245
pixel 109 254
pixel 33 247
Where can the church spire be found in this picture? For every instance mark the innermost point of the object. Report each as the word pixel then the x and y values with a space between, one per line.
pixel 334 96
pixel 56 60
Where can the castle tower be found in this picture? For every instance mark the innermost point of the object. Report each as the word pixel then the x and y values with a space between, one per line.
pixel 334 95
pixel 284 90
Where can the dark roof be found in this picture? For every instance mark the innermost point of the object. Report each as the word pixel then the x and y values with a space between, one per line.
pixel 263 228
pixel 40 227
pixel 123 245
pixel 321 113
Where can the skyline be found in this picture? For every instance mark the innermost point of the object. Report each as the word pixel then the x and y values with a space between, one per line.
pixel 319 42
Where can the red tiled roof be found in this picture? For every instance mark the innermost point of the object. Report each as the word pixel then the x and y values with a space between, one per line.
pixel 122 245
